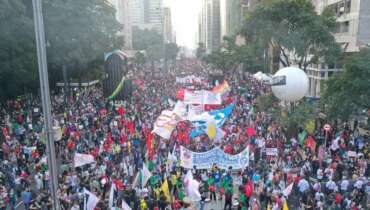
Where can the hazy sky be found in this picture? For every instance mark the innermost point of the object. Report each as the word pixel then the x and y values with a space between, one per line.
pixel 184 20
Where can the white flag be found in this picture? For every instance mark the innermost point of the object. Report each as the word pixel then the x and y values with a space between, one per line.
pixel 92 200
pixel 202 97
pixel 192 187
pixel 83 159
pixel 288 190
pixel 125 206
pixel 145 174
pixel 165 124
pixel 111 195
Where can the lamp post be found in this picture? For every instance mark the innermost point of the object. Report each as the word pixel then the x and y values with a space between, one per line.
pixel 45 97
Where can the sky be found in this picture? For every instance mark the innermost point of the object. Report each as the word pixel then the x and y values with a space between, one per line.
pixel 184 20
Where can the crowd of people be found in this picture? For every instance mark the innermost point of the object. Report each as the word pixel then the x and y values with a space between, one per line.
pixel 317 170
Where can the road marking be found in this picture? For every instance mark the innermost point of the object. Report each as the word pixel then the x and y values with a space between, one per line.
pixel 20 203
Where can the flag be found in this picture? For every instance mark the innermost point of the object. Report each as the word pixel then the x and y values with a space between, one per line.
pixel 180 109
pixel 82 159
pixel 111 195
pixel 219 116
pixel 149 145
pixel 310 143
pixel 145 175
pixel 125 206
pixel 192 187
pixel 166 190
pixel 202 97
pixel 92 200
pixel 221 88
pixel 285 205
pixel 165 124
pixel 288 190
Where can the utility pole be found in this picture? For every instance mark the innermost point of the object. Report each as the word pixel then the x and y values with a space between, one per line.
pixel 45 97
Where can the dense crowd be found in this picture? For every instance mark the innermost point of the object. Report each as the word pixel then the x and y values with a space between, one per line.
pixel 302 172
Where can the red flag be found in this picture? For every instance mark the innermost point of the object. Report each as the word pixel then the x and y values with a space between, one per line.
pixel 248 189
pixel 131 128
pixel 251 132
pixel 180 94
pixel 310 143
pixel 149 145
pixel 120 111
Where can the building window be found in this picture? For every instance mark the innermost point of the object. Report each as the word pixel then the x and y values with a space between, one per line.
pixel 330 73
pixel 347 8
pixel 322 74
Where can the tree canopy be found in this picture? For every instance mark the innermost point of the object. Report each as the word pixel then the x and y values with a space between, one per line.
pixel 78 33
pixel 293 26
pixel 347 92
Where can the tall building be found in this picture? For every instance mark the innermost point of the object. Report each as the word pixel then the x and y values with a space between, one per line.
pixel 168 34
pixel 231 17
pixel 146 14
pixel 352 33
pixel 210 25
pixel 122 15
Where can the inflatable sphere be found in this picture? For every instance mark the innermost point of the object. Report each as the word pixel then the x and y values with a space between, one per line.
pixel 290 84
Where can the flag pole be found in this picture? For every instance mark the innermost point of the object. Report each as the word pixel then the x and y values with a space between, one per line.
pixel 45 98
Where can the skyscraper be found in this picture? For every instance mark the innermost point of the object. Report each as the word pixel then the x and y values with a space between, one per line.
pixel 146 14
pixel 210 25
pixel 168 35
pixel 122 15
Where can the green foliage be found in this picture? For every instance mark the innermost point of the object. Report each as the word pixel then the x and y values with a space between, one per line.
pixel 143 39
pixel 18 68
pixel 201 51
pixel 171 50
pixel 231 56
pixel 294 26
pixel 347 92
pixel 139 58
pixel 78 32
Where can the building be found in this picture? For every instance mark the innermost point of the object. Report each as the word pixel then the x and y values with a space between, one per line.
pixel 352 33
pixel 209 32
pixel 231 17
pixel 146 14
pixel 122 15
pixel 168 34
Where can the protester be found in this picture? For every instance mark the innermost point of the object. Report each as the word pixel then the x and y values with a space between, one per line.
pixel 123 164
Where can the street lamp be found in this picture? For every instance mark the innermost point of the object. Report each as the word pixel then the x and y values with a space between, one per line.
pixel 45 97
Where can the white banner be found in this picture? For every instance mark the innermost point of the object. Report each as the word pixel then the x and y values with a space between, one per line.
pixel 83 159
pixel 205 160
pixel 202 97
pixel 189 79
pixel 272 151
pixel 165 124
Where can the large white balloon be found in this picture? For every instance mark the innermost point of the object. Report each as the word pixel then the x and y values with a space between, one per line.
pixel 290 84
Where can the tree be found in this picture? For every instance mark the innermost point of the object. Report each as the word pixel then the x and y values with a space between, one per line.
pixel 139 59
pixel 231 56
pixel 18 67
pixel 201 51
pixel 171 51
pixel 294 27
pixel 347 92
pixel 78 34
pixel 143 39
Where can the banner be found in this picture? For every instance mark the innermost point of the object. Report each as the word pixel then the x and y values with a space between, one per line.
pixel 272 151
pixel 189 79
pixel 83 159
pixel 202 97
pixel 165 124
pixel 205 160
pixel 200 122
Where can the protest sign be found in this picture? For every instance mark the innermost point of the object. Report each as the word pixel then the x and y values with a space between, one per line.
pixel 205 160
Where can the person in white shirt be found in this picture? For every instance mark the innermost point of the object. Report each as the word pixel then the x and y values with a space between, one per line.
pixel 344 185
pixel 303 185
pixel 330 185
